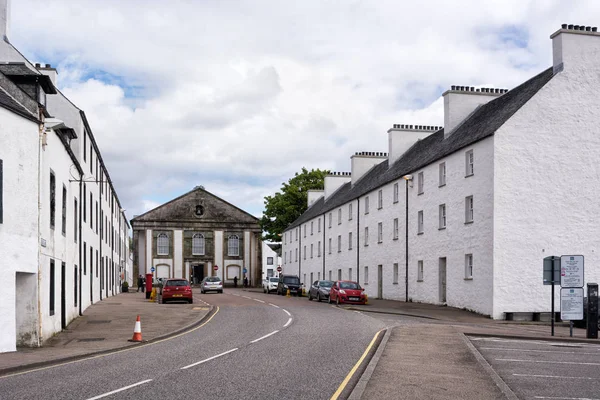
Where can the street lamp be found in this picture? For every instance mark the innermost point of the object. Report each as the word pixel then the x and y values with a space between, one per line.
pixel 407 179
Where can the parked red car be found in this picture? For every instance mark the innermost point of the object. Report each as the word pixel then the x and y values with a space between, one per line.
pixel 176 289
pixel 347 292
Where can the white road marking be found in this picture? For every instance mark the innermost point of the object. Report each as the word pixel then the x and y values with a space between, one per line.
pixel 273 305
pixel 555 376
pixel 536 351
pixel 260 301
pixel 287 312
pixel 264 337
pixel 287 323
pixel 566 398
pixel 547 362
pixel 246 297
pixel 561 344
pixel 210 358
pixel 120 390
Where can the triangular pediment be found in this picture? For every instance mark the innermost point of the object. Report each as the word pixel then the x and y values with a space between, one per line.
pixel 197 206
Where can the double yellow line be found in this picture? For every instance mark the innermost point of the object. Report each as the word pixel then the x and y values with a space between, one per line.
pixel 353 370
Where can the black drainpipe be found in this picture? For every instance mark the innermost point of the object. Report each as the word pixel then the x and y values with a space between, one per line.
pixel 358 240
pixel 80 243
pixel 406 242
pixel 324 247
pixel 300 252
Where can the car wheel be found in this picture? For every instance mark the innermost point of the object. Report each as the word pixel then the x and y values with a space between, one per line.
pixel 264 290
pixel 319 297
pixel 191 301
pixel 337 301
pixel 329 300
pixel 309 296
pixel 221 292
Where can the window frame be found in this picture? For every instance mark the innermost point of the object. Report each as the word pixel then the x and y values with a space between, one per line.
pixel 469 266
pixel 395 274
pixel 396 193
pixel 442 174
pixel 160 244
pixel 349 211
pixel 199 244
pixel 233 243
pixel 420 271
pixel 469 163
pixel 380 199
pixel 64 212
pixel 420 183
pixel 349 240
pixel 442 216
pixel 366 204
pixel 366 235
pixel 52 200
pixel 380 232
pixel 340 216
pixel 469 210
pixel 396 228
pixel 420 223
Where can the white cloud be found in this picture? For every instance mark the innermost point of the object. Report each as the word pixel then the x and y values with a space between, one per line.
pixel 237 96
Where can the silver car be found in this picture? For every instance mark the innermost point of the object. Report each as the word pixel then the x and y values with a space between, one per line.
pixel 211 284
pixel 270 285
pixel 320 290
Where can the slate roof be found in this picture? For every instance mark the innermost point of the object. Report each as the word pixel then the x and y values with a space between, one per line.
pixel 20 69
pixel 482 123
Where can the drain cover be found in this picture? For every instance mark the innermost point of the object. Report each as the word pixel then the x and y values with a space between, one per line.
pixel 99 321
pixel 92 339
pixel 201 308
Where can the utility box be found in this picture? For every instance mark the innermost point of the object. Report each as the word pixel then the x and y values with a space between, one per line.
pixel 592 311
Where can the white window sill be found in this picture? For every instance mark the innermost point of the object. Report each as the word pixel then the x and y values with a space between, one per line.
pixel 394 283
pixel 441 228
pixel 419 280
pixel 466 176
pixel 441 185
pixel 468 222
pixel 420 233
pixel 469 279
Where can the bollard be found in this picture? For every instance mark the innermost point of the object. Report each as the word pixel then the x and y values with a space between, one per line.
pixel 287 294
pixel 153 295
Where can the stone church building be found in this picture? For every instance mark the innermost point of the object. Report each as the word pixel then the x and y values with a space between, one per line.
pixel 195 235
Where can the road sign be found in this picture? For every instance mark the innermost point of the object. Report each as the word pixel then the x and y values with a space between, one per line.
pixel 279 269
pixel 216 268
pixel 152 269
pixel 245 270
pixel 551 264
pixel 571 304
pixel 571 271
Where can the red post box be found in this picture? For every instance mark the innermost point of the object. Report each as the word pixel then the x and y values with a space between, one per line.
pixel 149 285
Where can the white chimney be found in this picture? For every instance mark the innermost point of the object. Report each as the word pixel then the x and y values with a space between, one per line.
pixel 334 181
pixel 48 71
pixel 461 101
pixel 575 45
pixel 4 19
pixel 363 162
pixel 314 195
pixel 401 137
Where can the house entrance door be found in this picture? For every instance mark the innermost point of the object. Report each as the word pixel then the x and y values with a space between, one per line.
pixel 198 273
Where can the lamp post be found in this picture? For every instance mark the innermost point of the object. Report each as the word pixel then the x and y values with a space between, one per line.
pixel 407 179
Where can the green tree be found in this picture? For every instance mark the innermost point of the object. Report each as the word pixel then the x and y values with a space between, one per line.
pixel 285 206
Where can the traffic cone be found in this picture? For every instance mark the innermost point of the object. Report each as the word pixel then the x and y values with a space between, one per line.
pixel 137 331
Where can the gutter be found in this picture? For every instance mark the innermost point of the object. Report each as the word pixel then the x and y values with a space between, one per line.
pixel 358 240
pixel 324 247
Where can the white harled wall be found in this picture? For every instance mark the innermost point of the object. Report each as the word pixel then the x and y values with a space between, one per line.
pixel 19 228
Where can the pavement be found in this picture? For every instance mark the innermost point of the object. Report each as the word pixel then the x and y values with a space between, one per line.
pixel 433 359
pixel 107 326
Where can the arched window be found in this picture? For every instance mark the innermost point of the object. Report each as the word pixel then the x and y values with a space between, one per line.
pixel 233 245
pixel 198 244
pixel 162 244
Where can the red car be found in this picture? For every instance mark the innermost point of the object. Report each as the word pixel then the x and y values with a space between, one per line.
pixel 347 292
pixel 177 289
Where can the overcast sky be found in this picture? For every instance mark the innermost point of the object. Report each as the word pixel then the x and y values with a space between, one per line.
pixel 236 96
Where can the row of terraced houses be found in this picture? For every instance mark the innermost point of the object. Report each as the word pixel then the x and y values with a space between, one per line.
pixel 463 215
pixel 63 233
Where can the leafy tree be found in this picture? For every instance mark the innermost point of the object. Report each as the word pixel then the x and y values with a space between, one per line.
pixel 285 206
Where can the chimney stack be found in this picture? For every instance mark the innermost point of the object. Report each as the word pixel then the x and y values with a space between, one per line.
pixel 461 101
pixel 4 19
pixel 335 180
pixel 402 136
pixel 575 47
pixel 363 161
pixel 48 71
pixel 314 195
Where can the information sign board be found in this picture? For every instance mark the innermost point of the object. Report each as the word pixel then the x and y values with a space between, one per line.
pixel 571 304
pixel 571 271
pixel 551 270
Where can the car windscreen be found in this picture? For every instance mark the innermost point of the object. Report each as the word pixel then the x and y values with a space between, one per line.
pixel 291 279
pixel 349 285
pixel 274 279
pixel 179 282
pixel 325 284
pixel 213 279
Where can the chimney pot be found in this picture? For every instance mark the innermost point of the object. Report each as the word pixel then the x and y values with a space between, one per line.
pixel 411 127
pixel 564 26
pixel 576 27
pixel 570 26
pixel 594 29
pixel 588 28
pixel 37 65
pixel 453 87
pixel 48 66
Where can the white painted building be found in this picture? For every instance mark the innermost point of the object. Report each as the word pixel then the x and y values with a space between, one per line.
pixel 271 260
pixel 61 221
pixel 196 235
pixel 510 179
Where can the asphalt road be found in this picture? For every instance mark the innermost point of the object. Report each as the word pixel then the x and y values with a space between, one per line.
pixel 544 369
pixel 257 346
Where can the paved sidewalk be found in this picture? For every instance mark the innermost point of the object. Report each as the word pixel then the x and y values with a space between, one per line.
pixel 108 325
pixel 433 360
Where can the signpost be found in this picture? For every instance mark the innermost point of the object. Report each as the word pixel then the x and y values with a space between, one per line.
pixel 216 268
pixel 279 269
pixel 552 277
pixel 571 294
pixel 245 270
pixel 152 269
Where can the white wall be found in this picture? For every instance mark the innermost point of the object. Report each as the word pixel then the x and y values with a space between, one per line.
pixel 19 229
pixel 546 187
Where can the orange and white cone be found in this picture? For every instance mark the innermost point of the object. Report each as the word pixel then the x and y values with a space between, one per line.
pixel 137 331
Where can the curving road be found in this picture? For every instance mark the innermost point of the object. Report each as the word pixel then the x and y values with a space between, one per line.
pixel 256 346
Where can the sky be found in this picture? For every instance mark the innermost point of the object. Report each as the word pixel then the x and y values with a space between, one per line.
pixel 237 96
